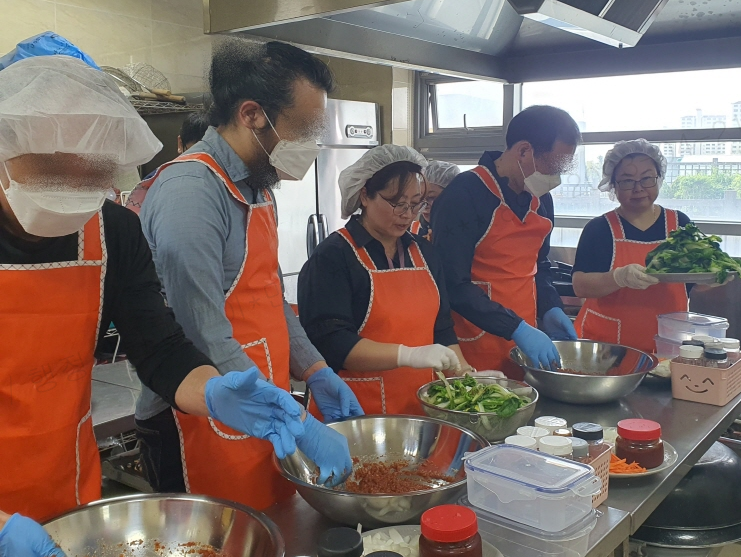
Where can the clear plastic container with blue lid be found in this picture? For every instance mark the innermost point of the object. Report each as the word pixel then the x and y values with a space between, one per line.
pixel 543 491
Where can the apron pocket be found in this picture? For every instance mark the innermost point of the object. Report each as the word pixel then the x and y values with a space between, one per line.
pixel 599 327
pixel 371 393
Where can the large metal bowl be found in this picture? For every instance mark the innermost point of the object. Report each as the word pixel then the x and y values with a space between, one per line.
pixel 108 528
pixel 415 438
pixel 615 371
pixel 487 424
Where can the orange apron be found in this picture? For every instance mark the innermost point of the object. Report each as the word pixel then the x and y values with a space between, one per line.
pixel 217 460
pixel 504 266
pixel 402 309
pixel 602 319
pixel 50 317
pixel 415 228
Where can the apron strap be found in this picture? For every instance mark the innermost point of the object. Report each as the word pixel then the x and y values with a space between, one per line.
pixel 91 239
pixel 361 254
pixel 613 219
pixel 490 182
pixel 671 220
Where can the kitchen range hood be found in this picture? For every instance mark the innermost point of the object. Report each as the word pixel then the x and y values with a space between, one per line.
pixel 467 38
pixel 617 23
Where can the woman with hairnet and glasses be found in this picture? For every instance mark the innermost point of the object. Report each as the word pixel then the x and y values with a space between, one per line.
pixel 438 175
pixel 372 296
pixel 70 263
pixel 622 300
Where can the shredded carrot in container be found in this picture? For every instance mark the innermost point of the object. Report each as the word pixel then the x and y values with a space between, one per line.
pixel 620 466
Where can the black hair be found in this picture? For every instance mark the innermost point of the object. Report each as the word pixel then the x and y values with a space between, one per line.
pixel 401 171
pixel 631 157
pixel 261 72
pixel 193 128
pixel 541 126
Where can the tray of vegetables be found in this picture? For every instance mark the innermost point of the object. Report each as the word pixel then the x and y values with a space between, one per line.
pixel 690 256
pixel 492 407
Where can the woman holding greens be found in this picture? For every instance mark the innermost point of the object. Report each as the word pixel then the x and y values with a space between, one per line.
pixel 622 300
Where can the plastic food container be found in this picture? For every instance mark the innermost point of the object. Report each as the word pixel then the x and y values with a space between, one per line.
pixel 512 538
pixel 542 491
pixel 522 441
pixel 667 349
pixel 640 441
pixel 684 325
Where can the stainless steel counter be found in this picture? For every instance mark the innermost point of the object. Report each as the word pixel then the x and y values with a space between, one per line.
pixel 115 390
pixel 688 426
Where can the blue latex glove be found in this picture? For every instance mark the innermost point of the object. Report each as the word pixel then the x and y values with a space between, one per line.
pixel 328 449
pixel 246 402
pixel 537 346
pixel 558 326
pixel 22 537
pixel 332 395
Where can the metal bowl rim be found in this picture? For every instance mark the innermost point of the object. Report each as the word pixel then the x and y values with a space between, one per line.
pixel 461 413
pixel 269 525
pixel 652 357
pixel 293 479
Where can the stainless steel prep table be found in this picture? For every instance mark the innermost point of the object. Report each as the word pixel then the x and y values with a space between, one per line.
pixel 302 526
pixel 691 428
pixel 115 390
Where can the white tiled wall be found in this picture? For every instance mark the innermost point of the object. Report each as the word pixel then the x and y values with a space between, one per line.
pixel 165 33
pixel 402 107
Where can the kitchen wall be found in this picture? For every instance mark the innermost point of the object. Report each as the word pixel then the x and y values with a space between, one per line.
pixel 165 33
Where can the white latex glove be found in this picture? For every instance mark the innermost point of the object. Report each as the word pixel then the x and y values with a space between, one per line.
pixel 436 356
pixel 633 276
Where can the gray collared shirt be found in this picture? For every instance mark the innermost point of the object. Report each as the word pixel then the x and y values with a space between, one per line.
pixel 196 231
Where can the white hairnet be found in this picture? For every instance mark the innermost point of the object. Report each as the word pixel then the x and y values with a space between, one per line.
pixel 441 173
pixel 621 150
pixel 60 104
pixel 354 177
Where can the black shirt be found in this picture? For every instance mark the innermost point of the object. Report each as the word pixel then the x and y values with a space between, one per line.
pixel 594 254
pixel 151 338
pixel 334 291
pixel 460 218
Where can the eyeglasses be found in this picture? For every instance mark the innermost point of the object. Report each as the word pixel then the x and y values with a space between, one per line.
pixel 401 208
pixel 646 183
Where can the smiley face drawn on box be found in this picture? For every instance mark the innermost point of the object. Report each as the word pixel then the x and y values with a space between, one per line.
pixel 696 388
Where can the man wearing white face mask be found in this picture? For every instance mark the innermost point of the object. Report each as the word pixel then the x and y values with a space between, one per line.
pixel 492 229
pixel 211 222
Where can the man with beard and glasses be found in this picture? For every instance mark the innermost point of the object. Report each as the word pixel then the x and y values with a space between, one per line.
pixel 211 221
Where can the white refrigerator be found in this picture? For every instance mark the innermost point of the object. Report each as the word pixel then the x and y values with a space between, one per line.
pixel 309 210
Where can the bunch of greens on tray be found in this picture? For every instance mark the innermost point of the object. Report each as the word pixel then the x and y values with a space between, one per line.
pixel 688 250
pixel 465 394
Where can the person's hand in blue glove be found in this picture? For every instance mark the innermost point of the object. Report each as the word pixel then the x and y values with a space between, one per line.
pixel 327 449
pixel 22 537
pixel 537 346
pixel 332 395
pixel 558 326
pixel 246 402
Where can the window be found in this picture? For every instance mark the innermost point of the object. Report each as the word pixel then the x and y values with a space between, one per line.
pixel 681 100
pixel 469 104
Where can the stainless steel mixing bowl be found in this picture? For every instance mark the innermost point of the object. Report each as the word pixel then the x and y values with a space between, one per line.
pixel 99 529
pixel 487 424
pixel 389 438
pixel 615 371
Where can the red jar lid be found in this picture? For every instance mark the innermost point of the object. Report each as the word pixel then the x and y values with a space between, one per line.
pixel 639 430
pixel 449 524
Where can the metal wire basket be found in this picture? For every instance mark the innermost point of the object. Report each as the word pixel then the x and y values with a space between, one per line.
pixel 147 76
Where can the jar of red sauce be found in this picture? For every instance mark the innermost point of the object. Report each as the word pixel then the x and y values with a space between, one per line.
pixel 640 441
pixel 450 531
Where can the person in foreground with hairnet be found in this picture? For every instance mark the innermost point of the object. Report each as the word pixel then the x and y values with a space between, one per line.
pixel 622 300
pixel 372 297
pixel 438 175
pixel 70 263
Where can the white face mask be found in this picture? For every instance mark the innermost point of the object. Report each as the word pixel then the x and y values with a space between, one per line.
pixel 538 183
pixel 291 159
pixel 51 214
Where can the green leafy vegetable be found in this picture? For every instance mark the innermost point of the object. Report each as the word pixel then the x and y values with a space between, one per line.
pixel 688 250
pixel 467 395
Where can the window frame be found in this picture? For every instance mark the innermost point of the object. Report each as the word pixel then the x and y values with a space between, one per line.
pixel 466 146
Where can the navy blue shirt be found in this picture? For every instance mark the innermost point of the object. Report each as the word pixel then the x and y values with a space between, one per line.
pixel 594 254
pixel 460 218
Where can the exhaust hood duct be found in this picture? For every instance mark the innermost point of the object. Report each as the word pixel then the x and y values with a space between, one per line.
pixel 618 23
